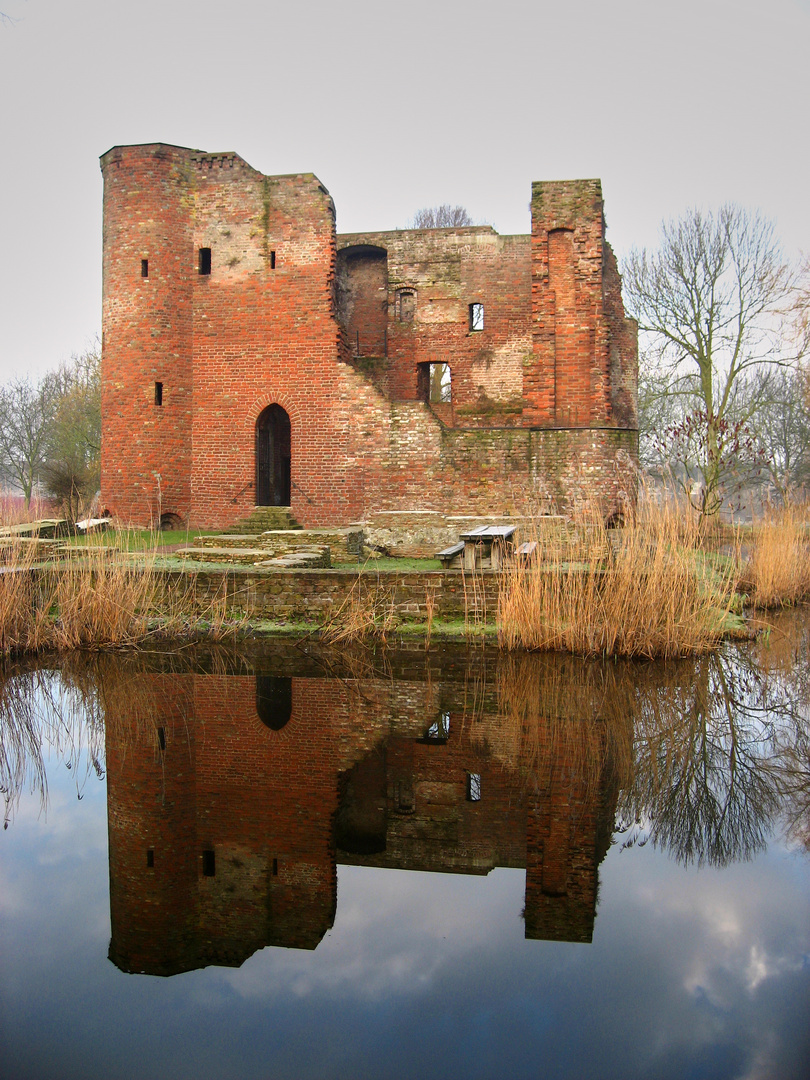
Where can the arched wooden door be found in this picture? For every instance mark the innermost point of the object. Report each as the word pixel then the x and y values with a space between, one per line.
pixel 273 457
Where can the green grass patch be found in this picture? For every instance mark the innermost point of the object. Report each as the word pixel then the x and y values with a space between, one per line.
pixel 138 539
pixel 395 565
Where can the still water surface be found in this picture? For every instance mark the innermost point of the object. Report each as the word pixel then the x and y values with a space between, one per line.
pixel 285 863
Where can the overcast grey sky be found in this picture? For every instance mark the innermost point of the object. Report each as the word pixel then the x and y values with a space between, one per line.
pixel 394 107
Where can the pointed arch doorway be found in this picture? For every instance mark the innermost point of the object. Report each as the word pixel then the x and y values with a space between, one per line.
pixel 273 457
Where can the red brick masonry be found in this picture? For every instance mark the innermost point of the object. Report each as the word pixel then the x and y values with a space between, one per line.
pixel 341 332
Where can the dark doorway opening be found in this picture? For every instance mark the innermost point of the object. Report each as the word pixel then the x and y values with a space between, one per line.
pixel 273 457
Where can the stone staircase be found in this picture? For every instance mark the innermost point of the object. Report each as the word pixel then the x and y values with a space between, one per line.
pixel 279 547
pixel 262 519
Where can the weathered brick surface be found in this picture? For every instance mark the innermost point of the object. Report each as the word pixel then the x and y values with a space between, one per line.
pixel 443 271
pixel 337 331
pixel 317 594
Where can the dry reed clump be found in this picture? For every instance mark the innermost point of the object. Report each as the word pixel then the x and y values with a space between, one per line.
pixel 368 612
pixel 96 599
pixel 777 570
pixel 643 590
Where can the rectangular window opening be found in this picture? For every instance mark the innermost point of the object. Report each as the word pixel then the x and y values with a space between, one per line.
pixel 275 867
pixel 474 787
pixel 205 260
pixel 440 384
pixel 406 305
pixel 403 797
pixel 439 730
pixel 158 393
pixel 144 268
pixel 209 864
pixel 476 317
pixel 162 738
pixel 150 857
pixel 272 260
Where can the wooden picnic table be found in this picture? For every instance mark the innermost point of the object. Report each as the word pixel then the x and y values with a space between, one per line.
pixel 487 543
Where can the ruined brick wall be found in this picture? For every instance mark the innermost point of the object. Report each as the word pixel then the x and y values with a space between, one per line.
pixel 491 470
pixel 225 294
pixel 433 276
pixel 622 347
pixel 582 342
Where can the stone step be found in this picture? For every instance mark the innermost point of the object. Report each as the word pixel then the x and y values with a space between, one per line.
pixel 312 556
pixel 344 543
pixel 263 518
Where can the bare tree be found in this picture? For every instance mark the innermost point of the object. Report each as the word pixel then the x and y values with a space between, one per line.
pixel 25 413
pixel 50 432
pixel 782 425
pixel 712 305
pixel 441 217
pixel 72 465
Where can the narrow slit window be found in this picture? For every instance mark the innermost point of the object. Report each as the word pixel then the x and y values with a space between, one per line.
pixel 272 260
pixel 209 864
pixel 158 393
pixel 162 738
pixel 205 260
pixel 476 317
pixel 474 787
pixel 275 867
pixel 150 857
pixel 144 268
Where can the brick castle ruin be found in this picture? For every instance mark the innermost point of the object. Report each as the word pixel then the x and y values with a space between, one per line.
pixel 253 356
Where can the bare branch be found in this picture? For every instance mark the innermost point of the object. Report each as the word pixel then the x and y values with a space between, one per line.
pixel 441 217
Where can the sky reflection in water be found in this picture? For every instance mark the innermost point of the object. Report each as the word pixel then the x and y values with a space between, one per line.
pixel 692 972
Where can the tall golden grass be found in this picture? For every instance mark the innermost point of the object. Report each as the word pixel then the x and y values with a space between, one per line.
pixel 777 570
pixel 647 589
pixel 367 613
pixel 95 599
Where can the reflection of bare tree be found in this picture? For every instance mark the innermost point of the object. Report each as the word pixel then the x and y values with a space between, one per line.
pixel 718 747
pixel 783 654
pixel 46 709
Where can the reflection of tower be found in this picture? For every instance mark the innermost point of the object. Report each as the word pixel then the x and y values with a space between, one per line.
pixel 151 792
pixel 568 827
pixel 220 819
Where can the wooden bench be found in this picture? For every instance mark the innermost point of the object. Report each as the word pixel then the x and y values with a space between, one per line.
pixel 451 555
pixel 526 552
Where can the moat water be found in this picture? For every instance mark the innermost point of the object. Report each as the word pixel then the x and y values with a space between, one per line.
pixel 285 862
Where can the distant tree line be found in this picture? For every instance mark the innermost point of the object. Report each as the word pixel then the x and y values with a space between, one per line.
pixel 441 217
pixel 50 434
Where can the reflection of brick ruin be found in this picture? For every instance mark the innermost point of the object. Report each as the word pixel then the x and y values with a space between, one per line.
pixel 227 819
